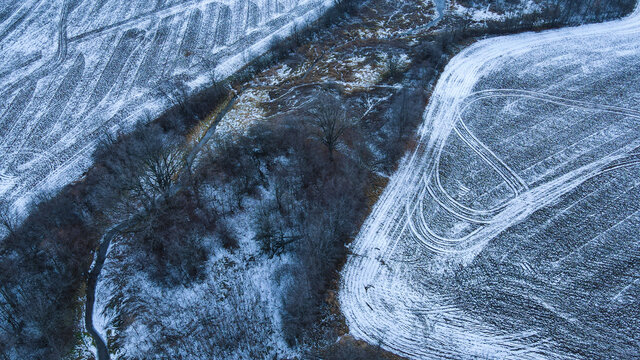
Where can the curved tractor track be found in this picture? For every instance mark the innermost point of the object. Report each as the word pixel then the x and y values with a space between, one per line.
pixel 511 230
pixel 102 71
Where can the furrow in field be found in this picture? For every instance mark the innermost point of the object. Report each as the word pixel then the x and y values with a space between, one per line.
pixel 416 288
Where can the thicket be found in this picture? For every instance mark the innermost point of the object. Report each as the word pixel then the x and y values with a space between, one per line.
pixel 552 13
pixel 45 259
pixel 351 350
pixel 319 166
pixel 432 51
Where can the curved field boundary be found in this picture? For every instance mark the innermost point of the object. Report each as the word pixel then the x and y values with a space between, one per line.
pixel 381 295
pixel 512 179
pixel 123 63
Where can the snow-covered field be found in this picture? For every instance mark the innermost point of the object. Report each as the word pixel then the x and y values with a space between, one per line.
pixel 512 230
pixel 72 70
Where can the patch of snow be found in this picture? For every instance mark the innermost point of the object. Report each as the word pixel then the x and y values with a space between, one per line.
pixel 246 111
pixel 70 77
pixel 386 295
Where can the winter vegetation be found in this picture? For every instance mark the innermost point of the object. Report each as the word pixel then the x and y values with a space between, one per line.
pixel 510 231
pixel 73 70
pixel 218 225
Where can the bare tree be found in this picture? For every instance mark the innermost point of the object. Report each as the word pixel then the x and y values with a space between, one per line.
pixel 159 164
pixel 141 169
pixel 8 218
pixel 331 121
pixel 161 167
pixel 176 91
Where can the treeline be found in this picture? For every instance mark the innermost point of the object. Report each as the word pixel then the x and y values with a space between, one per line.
pixel 44 262
pixel 310 174
pixel 45 259
pixel 552 13
pixel 321 170
pixel 319 166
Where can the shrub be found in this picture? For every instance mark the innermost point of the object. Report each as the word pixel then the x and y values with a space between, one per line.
pixel 393 69
pixel 351 350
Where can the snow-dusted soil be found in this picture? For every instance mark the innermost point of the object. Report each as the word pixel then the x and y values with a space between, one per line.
pixel 72 70
pixel 231 314
pixel 512 229
pixel 354 58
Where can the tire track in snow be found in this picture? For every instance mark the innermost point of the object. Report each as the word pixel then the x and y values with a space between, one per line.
pixel 60 100
pixel 15 110
pixel 513 180
pixel 104 88
pixel 189 41
pixel 51 64
pixel 19 17
pixel 148 67
pixel 127 43
pixel 140 18
pixel 386 304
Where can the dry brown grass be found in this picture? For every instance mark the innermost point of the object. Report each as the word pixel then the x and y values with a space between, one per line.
pixel 337 58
